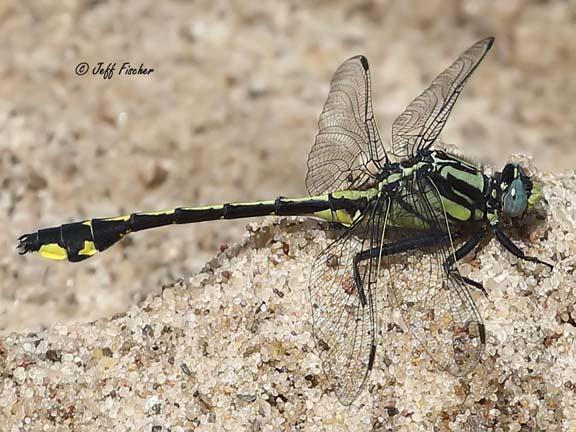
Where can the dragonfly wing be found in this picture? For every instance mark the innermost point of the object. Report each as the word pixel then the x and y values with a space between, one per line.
pixel 344 328
pixel 435 304
pixel 422 121
pixel 348 150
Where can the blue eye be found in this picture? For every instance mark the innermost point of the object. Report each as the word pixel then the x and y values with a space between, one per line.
pixel 515 199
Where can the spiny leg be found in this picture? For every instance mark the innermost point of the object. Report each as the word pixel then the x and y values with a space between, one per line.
pixel 391 249
pixel 513 249
pixel 460 253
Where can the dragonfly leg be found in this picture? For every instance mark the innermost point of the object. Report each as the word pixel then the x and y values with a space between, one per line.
pixel 513 249
pixel 391 249
pixel 460 253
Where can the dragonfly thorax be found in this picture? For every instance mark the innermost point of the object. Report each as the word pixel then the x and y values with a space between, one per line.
pixel 462 185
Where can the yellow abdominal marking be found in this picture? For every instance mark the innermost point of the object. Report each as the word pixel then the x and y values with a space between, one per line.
pixel 89 248
pixel 340 216
pixel 53 251
pixel 117 218
pixel 158 213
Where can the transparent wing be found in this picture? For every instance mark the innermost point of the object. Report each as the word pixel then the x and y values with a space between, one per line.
pixel 348 150
pixel 345 329
pixel 435 305
pixel 421 123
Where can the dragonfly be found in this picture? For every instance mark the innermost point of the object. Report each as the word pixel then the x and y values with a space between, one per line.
pixel 392 202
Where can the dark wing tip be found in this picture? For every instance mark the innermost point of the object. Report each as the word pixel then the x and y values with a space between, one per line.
pixel 490 41
pixel 364 62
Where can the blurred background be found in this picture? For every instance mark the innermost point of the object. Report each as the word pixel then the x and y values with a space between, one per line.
pixel 229 114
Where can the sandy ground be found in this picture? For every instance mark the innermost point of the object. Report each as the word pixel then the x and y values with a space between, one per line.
pixel 229 113
pixel 231 349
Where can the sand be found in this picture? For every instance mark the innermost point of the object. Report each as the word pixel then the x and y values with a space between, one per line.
pixel 231 349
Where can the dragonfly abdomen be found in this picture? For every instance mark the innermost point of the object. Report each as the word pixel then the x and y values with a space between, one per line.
pixel 80 240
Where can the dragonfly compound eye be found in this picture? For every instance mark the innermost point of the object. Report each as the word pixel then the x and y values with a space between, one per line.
pixel 515 199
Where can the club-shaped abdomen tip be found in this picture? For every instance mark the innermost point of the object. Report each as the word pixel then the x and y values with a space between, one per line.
pixel 27 243
pixel 37 242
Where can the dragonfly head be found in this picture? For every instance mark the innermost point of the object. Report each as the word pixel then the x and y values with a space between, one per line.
pixel 518 191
